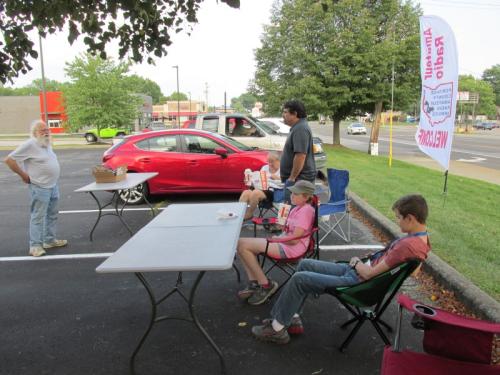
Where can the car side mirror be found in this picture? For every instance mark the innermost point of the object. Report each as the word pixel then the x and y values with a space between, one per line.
pixel 221 151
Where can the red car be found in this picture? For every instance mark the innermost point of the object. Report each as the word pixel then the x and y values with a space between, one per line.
pixel 188 161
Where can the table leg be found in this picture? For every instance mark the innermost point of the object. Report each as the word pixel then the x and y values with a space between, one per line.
pixel 154 319
pixel 116 213
pixel 200 327
pixel 149 205
pixel 98 216
pixel 119 213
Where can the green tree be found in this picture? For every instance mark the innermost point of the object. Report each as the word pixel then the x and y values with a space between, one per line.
pixel 138 27
pixel 98 94
pixel 177 96
pixel 492 75
pixel 145 86
pixel 244 103
pixel 34 88
pixel 338 57
pixel 486 105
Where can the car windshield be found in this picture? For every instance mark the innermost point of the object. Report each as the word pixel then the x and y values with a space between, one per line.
pixel 357 125
pixel 232 142
pixel 268 127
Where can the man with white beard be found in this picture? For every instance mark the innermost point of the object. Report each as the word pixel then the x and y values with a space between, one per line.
pixel 37 165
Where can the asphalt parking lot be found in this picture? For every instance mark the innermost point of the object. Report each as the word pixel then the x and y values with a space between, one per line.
pixel 59 316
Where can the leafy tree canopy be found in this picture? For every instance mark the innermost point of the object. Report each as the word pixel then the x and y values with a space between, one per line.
pixel 145 86
pixel 486 105
pixel 99 94
pixel 139 27
pixel 492 75
pixel 32 89
pixel 337 56
pixel 243 103
pixel 176 96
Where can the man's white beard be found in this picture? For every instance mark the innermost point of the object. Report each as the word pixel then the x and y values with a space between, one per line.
pixel 43 141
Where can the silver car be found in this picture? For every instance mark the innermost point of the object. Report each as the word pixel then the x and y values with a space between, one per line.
pixel 356 128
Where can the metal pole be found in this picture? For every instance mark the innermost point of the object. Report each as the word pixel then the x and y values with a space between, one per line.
pixel 44 92
pixel 225 97
pixel 178 99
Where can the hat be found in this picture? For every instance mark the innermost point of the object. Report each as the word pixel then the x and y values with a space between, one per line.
pixel 303 187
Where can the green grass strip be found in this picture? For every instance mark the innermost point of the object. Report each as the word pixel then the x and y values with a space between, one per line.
pixel 464 228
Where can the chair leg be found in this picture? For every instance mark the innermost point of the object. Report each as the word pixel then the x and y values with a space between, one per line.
pixel 380 332
pixel 349 322
pixel 238 275
pixel 349 338
pixel 387 326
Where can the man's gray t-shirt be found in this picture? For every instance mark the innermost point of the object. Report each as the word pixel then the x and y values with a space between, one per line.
pixel 299 140
pixel 40 163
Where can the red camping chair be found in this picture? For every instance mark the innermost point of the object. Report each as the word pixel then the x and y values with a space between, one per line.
pixel 452 344
pixel 287 265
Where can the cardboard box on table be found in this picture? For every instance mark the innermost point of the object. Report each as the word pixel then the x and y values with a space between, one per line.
pixel 105 175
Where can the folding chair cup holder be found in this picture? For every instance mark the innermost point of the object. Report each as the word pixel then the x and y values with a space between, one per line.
pixel 452 344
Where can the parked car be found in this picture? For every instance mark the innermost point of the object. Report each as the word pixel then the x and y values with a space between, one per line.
pixel 252 132
pixel 187 160
pixel 189 124
pixel 356 128
pixel 277 124
pixel 485 126
pixel 155 125
pixel 91 135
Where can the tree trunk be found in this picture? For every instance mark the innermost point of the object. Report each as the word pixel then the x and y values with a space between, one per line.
pixel 373 146
pixel 336 132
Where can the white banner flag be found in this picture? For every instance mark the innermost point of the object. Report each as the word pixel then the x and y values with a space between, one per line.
pixel 439 71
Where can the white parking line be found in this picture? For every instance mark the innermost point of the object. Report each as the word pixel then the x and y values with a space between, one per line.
pixel 56 257
pixel 108 210
pixel 350 247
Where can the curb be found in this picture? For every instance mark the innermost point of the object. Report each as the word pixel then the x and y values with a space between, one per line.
pixel 470 295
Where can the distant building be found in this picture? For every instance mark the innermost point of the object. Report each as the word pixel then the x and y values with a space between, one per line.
pixel 56 112
pixel 167 113
pixel 17 113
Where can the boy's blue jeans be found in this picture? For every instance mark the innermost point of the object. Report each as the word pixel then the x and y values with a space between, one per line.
pixel 43 214
pixel 312 276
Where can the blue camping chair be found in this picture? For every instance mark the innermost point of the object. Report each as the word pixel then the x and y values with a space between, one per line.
pixel 337 208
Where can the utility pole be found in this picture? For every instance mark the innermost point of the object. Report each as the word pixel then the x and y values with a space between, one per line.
pixel 225 110
pixel 206 94
pixel 178 98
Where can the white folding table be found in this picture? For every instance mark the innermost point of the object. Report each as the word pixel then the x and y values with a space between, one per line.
pixel 184 237
pixel 130 182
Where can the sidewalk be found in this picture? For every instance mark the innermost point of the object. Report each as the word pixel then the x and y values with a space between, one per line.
pixel 458 168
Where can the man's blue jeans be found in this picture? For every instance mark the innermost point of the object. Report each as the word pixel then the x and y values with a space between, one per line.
pixel 43 218
pixel 312 276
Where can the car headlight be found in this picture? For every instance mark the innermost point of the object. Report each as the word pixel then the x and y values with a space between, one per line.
pixel 317 148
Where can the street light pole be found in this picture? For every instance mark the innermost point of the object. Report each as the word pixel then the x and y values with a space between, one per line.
pixel 178 98
pixel 44 91
pixel 189 103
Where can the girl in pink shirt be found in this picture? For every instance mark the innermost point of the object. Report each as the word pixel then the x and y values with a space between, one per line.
pixel 299 222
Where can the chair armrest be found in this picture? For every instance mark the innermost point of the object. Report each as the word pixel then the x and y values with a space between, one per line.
pixel 286 239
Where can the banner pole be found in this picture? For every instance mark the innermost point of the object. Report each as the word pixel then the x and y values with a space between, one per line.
pixel 445 188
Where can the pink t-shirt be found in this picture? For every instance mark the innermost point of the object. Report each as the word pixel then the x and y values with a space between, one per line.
pixel 302 217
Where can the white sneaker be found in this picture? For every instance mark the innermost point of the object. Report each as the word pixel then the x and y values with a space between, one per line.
pixel 55 243
pixel 37 251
